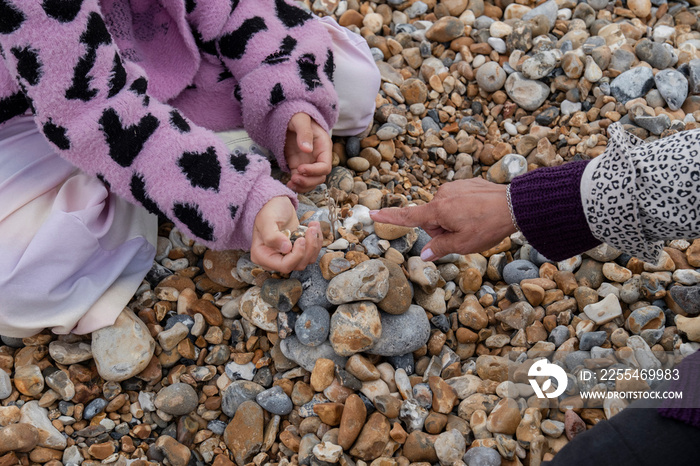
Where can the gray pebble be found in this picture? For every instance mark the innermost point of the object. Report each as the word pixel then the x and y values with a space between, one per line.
pixel 654 53
pixel 372 248
pixel 576 359
pixel 591 339
pixel 519 270
pixel 482 456
pixel 654 124
pixel 306 356
pixel 672 86
pixel 275 401
pixel 352 146
pixel 559 335
pixel 377 54
pixel 5 385
pixel 12 342
pixel 263 376
pixel 177 399
pixel 490 76
pixel 403 361
pixel 236 393
pixel 688 298
pixel 428 123
pixel 217 427
pixel 416 9
pixel 632 84
pixel 652 336
pixel 402 333
pixel 94 408
pixel 312 326
pixel 314 286
pixel 598 4
pixel 548 9
pixel 527 93
pixel 694 76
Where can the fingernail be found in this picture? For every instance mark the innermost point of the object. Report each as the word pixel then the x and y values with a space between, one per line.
pixel 372 212
pixel 427 254
pixel 307 145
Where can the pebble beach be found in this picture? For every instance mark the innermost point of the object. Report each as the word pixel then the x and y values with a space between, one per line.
pixel 372 356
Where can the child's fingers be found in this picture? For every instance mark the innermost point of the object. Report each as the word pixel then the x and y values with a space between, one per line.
pixel 302 184
pixel 272 237
pixel 314 241
pixel 301 125
pixel 292 260
pixel 317 168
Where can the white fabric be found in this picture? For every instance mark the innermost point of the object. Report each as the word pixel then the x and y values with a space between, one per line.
pixel 71 254
pixel 356 79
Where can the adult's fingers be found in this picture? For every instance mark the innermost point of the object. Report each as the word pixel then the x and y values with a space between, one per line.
pixel 441 245
pixel 418 216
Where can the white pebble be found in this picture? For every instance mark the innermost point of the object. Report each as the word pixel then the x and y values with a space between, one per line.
pixel 564 14
pixel 497 44
pixel 339 245
pixel 478 61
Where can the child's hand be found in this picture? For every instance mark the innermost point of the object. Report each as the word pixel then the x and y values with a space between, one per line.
pixel 271 249
pixel 308 152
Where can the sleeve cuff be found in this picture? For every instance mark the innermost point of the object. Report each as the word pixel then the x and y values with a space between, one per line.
pixel 265 188
pixel 548 210
pixel 273 133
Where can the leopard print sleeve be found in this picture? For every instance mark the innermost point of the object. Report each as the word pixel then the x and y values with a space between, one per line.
pixel 636 194
pixel 94 107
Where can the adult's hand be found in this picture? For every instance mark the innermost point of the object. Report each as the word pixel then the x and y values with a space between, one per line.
pixel 465 216
pixel 308 151
pixel 271 249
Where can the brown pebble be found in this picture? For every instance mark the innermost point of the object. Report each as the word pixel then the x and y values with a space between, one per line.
pixel 372 439
pixel 322 374
pixel 351 422
pixel 244 434
pixel 101 451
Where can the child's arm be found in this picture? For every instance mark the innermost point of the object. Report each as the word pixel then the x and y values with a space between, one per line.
pixel 95 109
pixel 281 58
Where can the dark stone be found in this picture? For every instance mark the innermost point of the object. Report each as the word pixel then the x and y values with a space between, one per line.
pixel 687 297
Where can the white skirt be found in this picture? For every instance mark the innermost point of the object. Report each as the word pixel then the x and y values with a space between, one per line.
pixel 71 253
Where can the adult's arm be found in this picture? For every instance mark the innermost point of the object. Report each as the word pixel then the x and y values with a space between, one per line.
pixel 633 196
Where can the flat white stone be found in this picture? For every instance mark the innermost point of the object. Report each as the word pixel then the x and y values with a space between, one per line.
pixel 605 310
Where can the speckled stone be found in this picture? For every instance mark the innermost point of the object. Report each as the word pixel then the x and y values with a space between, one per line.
pixel 312 326
pixel 177 399
pixel 403 333
pixel 368 281
pixel 519 270
pixel 275 401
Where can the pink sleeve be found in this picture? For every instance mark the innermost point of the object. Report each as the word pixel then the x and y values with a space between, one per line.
pixel 95 109
pixel 281 57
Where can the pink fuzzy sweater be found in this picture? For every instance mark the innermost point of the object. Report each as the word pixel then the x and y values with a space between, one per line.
pixel 131 90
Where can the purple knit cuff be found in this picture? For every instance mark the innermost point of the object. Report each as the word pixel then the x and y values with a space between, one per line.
pixel 547 206
pixel 686 409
